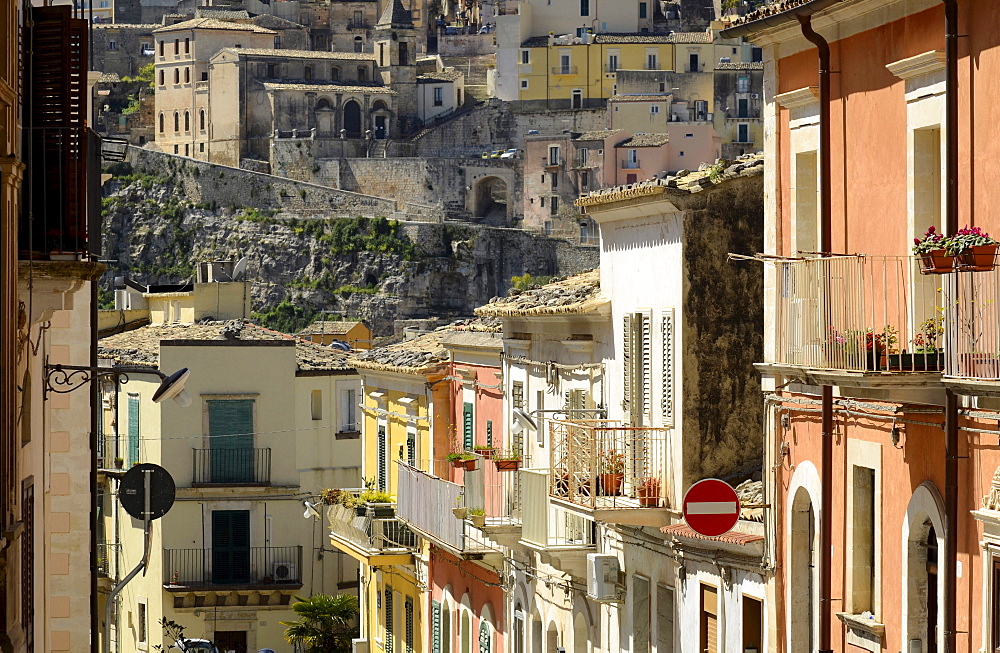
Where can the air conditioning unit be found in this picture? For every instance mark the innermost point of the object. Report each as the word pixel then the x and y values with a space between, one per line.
pixel 602 577
pixel 755 96
pixel 283 572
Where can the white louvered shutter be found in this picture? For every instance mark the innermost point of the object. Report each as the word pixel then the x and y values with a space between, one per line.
pixel 627 370
pixel 646 369
pixel 667 389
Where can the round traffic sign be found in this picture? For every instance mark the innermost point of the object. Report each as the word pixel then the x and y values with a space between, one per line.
pixel 132 491
pixel 711 507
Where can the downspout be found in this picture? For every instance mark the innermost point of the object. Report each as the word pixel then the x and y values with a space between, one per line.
pixel 825 246
pixel 951 400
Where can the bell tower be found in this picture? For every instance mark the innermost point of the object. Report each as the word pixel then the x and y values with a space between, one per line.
pixel 395 43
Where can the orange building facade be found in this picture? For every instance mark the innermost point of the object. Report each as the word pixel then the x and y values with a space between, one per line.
pixel 882 383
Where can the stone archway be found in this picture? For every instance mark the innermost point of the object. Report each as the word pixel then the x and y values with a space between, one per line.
pixel 352 119
pixel 324 117
pixel 803 579
pixel 923 587
pixel 380 120
pixel 489 198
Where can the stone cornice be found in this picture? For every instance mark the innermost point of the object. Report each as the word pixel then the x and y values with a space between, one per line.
pixel 620 194
pixel 928 62
pixel 802 97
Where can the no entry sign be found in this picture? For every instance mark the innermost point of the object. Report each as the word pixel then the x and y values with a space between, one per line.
pixel 711 507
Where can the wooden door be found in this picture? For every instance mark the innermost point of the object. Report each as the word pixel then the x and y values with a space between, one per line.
pixel 231 641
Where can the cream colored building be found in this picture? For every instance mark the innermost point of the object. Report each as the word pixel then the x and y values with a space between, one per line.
pixel 181 62
pixel 272 424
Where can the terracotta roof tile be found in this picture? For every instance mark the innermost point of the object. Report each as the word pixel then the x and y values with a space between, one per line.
pixel 329 87
pixel 212 23
pixel 741 65
pixel 333 327
pixel 645 140
pixel 576 294
pixel 302 54
pixel 683 530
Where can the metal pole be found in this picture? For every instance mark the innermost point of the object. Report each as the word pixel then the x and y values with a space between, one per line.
pixel 147 545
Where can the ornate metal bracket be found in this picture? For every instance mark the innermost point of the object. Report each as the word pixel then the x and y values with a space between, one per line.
pixel 63 379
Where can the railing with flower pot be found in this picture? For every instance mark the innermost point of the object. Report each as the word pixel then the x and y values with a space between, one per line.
pixel 858 313
pixel 975 318
pixel 969 250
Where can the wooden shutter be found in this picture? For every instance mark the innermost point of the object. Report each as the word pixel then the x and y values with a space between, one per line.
pixel 387 604
pixel 383 460
pixel 27 540
pixel 664 619
pixel 667 389
pixel 231 547
pixel 627 371
pixel 411 446
pixel 640 614
pixel 408 616
pixel 467 435
pixel 485 644
pixel 133 429
pixel 709 619
pixel 489 433
pixel 230 431
pixel 435 626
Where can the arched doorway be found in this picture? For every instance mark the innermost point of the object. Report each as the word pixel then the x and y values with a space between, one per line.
pixel 552 638
pixel 490 198
pixel 802 574
pixel 581 636
pixel 466 634
pixel 352 119
pixel 381 114
pixel 923 586
pixel 446 627
pixel 324 117
pixel 537 636
pixel 518 629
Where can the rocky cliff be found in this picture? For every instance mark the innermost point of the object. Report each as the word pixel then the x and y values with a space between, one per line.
pixel 301 263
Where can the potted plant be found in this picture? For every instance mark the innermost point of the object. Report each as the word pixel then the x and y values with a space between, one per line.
pixel 933 250
pixel 477 516
pixel 459 511
pixel 379 502
pixel 975 249
pixel 508 462
pixel 926 355
pixel 485 451
pixel 612 472
pixel 464 460
pixel 648 492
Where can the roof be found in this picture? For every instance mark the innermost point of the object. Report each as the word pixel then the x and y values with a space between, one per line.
pixel 751 493
pixel 126 26
pixel 109 78
pixel 423 353
pixel 221 13
pixel 329 87
pixel 663 97
pixel 676 37
pixel 396 15
pixel 271 21
pixel 302 54
pixel 213 23
pixel 142 346
pixel 683 530
pixel 332 327
pixel 748 165
pixel 443 76
pixel 598 135
pixel 645 140
pixel 774 14
pixel 741 65
pixel 577 294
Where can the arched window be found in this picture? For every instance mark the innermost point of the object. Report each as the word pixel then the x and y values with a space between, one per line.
pixel 335 74
pixel 201 120
pixel 161 122
pixel 187 121
pixel 358 44
pixel 177 121
pixel 466 633
pixel 485 640
pixel 446 629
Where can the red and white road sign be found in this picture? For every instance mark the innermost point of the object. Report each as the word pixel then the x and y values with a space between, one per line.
pixel 711 507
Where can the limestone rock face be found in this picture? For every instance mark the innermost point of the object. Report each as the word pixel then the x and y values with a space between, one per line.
pixel 154 235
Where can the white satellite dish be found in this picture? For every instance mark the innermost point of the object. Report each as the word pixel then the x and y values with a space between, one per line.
pixel 240 269
pixel 172 387
pixel 523 420
pixel 310 510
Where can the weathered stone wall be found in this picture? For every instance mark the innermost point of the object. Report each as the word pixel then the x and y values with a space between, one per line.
pixel 466 44
pixel 210 183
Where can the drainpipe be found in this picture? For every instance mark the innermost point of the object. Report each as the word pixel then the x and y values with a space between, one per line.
pixel 825 246
pixel 951 400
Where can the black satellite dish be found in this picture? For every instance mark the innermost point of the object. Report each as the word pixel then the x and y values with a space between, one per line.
pixel 132 491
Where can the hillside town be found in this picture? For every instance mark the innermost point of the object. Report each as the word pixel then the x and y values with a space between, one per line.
pixel 518 326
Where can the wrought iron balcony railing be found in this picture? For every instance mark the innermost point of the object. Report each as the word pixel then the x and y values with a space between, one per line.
pixel 564 70
pixel 629 165
pixel 108 559
pixel 974 316
pixel 258 566
pixel 232 466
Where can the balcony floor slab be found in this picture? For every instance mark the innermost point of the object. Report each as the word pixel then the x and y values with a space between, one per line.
pixel 853 378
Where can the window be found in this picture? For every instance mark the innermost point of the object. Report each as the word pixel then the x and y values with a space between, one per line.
pixel 485 643
pixel 335 74
pixel 863 540
pixel 554 206
pixel 701 109
pixel 230 547
pixel 177 75
pixel 612 62
pixel 756 54
pixel 926 179
pixel 467 426
pixel 664 619
pixel 133 429
pixel 277 42
pixel 743 84
pixel 161 48
pixel 435 626
pixel 652 61
pixel 554 159
pixel 637 366
pixel 204 76
pixel 753 613
pixel 316 404
pixel 667 366
pixel 359 18
pixel 525 56
pixel 805 196
pixel 584 7
pixel 404 54
pixel 631 178
pixel 408 616
pixel 112 45
pixel 187 121
pixel 175 149
pixel 743 108
pixel 411 446
pixel 387 605
pixel 577 98
pixel 201 119
pixel 709 618
pixel 362 74
pixel 640 614
pixel 383 459
pixel 663 87
pixel 743 133
pixel 358 45
pixel 555 182
pixel 271 69
pixel 632 158
pixel 177 46
pixel 142 633
pixel 693 65
pixel 565 67
pixel 187 46
pixel 230 440
pixel 28 565
pixel 517 395
pixel 308 72
pixel 642 10
pixel 348 410
pixel 201 147
pixel 187 75
pixel 654 109
pixel 524 84
pixel 585 179
pixel 187 149
pixel 438 96
pixel 162 78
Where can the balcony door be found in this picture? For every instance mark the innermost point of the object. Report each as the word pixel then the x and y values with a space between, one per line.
pixel 230 547
pixel 230 429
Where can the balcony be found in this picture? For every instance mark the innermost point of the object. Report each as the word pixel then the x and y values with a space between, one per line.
pixel 564 538
pixel 608 472
pixel 357 25
pixel 630 165
pixel 564 70
pixel 972 363
pixel 860 321
pixel 108 562
pixel 425 502
pixel 371 533
pixel 257 566
pixel 549 162
pixel 231 466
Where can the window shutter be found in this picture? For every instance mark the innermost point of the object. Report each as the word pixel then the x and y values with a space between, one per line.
pixel 411 447
pixel 640 614
pixel 230 429
pixel 435 626
pixel 627 372
pixel 664 619
pixel 667 391
pixel 387 603
pixel 408 610
pixel 484 637
pixel 489 433
pixel 467 426
pixel 383 460
pixel 646 369
pixel 133 429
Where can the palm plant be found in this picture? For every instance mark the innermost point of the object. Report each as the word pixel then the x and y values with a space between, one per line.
pixel 326 623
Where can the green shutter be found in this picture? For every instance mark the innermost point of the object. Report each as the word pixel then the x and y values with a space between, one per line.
pixel 230 546
pixel 230 430
pixel 467 426
pixel 383 461
pixel 484 637
pixel 133 429
pixel 435 626
pixel 489 433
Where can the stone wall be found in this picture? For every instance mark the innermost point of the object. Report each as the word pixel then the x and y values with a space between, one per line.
pixel 211 183
pixel 466 44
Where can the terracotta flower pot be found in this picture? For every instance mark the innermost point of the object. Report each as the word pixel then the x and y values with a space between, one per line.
pixel 980 258
pixel 507 465
pixel 478 520
pixel 649 493
pixel 937 262
pixel 469 465
pixel 611 484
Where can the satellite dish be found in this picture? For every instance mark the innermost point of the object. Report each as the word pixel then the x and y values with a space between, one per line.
pixel 310 510
pixel 240 269
pixel 523 420
pixel 172 387
pixel 132 491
